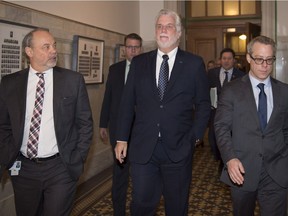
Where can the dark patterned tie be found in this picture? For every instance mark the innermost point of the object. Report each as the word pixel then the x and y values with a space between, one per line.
pixel 226 78
pixel 32 145
pixel 163 77
pixel 262 106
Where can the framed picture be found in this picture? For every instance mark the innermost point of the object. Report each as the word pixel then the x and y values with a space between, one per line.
pixel 88 58
pixel 119 53
pixel 12 54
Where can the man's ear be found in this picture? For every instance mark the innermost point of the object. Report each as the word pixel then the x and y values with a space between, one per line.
pixel 28 51
pixel 248 58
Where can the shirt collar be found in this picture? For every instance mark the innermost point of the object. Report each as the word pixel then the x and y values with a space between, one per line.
pixel 32 70
pixel 171 54
pixel 230 71
pixel 255 81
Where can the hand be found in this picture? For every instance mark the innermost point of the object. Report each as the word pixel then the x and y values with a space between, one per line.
pixel 199 142
pixel 236 171
pixel 104 134
pixel 121 151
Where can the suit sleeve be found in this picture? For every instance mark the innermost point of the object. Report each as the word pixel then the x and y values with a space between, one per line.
pixel 127 106
pixel 106 104
pixel 223 124
pixel 84 120
pixel 6 136
pixel 202 102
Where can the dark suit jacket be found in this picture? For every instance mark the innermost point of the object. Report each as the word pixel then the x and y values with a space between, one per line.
pixel 173 117
pixel 112 98
pixel 214 80
pixel 237 112
pixel 72 117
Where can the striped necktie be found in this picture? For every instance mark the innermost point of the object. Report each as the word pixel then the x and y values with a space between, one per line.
pixel 33 138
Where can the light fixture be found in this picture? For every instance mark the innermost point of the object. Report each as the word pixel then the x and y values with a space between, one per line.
pixel 231 29
pixel 242 37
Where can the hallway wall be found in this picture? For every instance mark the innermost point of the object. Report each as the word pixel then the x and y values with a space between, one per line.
pixel 118 16
pixel 100 155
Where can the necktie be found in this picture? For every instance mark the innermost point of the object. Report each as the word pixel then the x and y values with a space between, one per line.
pixel 32 145
pixel 226 78
pixel 262 106
pixel 163 76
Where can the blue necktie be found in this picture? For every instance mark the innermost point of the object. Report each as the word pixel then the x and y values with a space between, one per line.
pixel 163 77
pixel 262 106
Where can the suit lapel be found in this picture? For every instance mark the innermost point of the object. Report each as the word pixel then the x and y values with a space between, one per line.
pixel 250 98
pixel 218 83
pixel 152 58
pixel 276 100
pixel 57 92
pixel 122 72
pixel 175 72
pixel 20 100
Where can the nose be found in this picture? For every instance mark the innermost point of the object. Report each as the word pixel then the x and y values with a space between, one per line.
pixel 264 64
pixel 53 49
pixel 164 29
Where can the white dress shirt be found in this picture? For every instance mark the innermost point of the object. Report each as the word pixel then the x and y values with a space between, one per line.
pixel 47 139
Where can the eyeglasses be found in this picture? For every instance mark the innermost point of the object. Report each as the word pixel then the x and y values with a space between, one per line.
pixel 260 61
pixel 133 47
pixel 168 27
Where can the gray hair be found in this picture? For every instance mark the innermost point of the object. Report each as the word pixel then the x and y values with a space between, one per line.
pixel 263 40
pixel 173 14
pixel 27 41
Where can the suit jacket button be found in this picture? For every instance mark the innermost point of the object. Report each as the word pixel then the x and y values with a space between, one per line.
pixel 158 125
pixel 260 155
pixel 161 106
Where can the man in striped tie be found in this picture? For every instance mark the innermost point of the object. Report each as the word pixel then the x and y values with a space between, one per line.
pixel 46 128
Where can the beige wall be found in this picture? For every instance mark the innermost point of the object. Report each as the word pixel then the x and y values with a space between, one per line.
pixel 118 16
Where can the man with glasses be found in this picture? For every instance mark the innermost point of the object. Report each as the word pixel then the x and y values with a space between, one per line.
pixel 164 87
pixel 114 86
pixel 251 126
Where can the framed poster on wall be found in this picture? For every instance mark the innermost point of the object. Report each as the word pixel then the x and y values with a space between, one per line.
pixel 119 53
pixel 88 58
pixel 11 52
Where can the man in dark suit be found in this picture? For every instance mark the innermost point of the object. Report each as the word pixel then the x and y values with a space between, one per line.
pixel 251 126
pixel 114 87
pixel 217 79
pixel 46 144
pixel 165 130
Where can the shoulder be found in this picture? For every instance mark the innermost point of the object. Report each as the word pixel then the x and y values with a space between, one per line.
pixel 145 56
pixel 279 83
pixel 238 72
pixel 213 72
pixel 16 75
pixel 63 72
pixel 188 55
pixel 118 65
